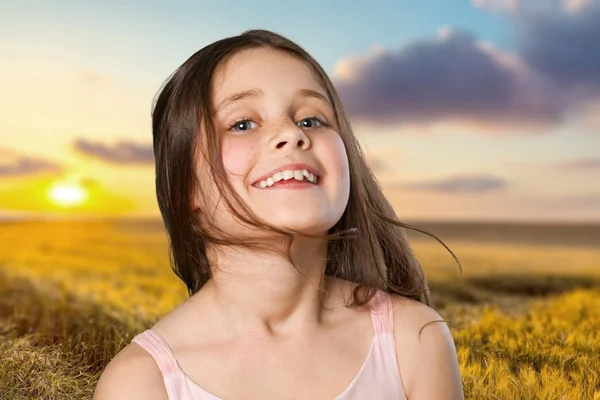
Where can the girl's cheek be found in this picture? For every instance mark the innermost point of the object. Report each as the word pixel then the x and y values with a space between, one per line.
pixel 335 151
pixel 237 155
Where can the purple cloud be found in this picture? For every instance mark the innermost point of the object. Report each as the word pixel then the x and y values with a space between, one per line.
pixel 27 166
pixel 453 76
pixel 563 45
pixel 554 70
pixel 120 153
pixel 460 184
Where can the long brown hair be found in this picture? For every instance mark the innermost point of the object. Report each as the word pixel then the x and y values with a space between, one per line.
pixel 367 245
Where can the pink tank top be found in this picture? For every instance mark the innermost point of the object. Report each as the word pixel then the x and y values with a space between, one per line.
pixel 378 378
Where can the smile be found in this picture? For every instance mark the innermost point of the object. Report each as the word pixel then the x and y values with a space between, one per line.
pixel 296 178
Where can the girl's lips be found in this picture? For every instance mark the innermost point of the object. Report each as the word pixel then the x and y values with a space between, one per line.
pixel 290 184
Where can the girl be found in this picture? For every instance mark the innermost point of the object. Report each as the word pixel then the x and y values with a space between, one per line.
pixel 301 281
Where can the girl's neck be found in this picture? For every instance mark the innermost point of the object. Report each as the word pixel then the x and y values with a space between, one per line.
pixel 262 294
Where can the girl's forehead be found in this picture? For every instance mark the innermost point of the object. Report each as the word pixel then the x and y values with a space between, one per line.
pixel 263 69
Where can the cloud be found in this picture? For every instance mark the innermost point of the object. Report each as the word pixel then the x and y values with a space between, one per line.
pixel 552 77
pixel 459 184
pixel 452 77
pixel 564 45
pixel 557 38
pixel 122 152
pixel 21 166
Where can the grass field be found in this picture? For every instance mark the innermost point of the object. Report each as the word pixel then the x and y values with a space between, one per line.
pixel 525 314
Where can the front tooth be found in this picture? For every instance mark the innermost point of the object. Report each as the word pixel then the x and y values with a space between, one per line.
pixel 288 174
pixel 277 176
pixel 270 182
pixel 305 173
pixel 298 175
pixel 263 184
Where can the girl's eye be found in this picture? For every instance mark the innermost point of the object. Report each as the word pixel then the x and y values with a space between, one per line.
pixel 242 125
pixel 247 124
pixel 312 122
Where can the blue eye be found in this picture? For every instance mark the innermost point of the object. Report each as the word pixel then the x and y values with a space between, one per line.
pixel 242 125
pixel 306 123
pixel 247 124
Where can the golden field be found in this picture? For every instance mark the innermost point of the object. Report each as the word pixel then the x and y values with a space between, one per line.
pixel 525 314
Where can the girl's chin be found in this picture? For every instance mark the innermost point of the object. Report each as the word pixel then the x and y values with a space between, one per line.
pixel 315 224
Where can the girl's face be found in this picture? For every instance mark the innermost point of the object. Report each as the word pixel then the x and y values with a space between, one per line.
pixel 272 116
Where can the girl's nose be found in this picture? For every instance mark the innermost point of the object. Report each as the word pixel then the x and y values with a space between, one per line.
pixel 290 136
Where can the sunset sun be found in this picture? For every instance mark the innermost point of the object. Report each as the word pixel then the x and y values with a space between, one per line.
pixel 67 194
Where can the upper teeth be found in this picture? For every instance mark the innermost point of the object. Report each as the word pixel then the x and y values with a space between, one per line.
pixel 286 175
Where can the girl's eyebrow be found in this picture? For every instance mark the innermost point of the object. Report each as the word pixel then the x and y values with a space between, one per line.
pixel 257 92
pixel 237 97
pixel 316 95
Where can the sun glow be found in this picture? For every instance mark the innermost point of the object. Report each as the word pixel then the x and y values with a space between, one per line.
pixel 67 194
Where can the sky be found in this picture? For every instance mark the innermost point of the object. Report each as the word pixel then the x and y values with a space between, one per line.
pixel 466 109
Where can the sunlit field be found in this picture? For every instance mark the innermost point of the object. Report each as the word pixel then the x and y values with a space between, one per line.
pixel 525 313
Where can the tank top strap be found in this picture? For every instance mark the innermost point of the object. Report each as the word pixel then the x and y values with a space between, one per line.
pixel 173 377
pixel 385 362
pixel 382 312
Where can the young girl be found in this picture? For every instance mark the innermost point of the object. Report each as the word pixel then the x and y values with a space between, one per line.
pixel 301 281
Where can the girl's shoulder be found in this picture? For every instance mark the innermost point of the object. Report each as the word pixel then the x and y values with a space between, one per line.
pixel 134 373
pixel 131 374
pixel 425 350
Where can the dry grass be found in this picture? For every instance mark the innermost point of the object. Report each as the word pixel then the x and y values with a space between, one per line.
pixel 550 352
pixel 53 345
pixel 526 319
